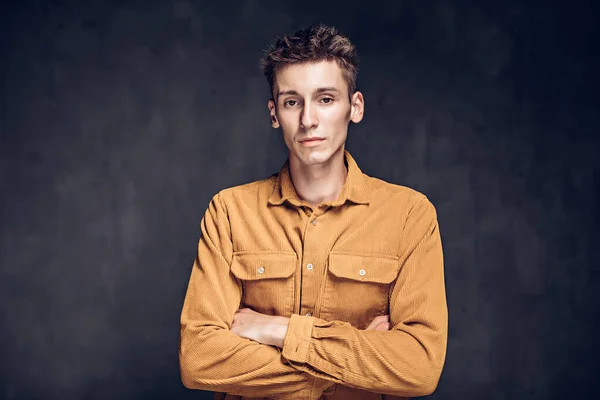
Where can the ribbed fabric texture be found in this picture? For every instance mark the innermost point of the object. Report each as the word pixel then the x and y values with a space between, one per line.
pixel 375 250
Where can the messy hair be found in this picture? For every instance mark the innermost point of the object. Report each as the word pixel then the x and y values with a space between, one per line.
pixel 316 43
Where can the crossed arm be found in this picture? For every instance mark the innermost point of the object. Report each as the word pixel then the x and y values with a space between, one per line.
pixel 271 330
pixel 242 352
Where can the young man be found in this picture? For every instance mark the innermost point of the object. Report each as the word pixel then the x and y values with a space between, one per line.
pixel 318 282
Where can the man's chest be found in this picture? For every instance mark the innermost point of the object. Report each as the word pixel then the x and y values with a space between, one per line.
pixel 337 263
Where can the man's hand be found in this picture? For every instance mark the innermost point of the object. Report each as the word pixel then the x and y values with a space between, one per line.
pixel 262 328
pixel 380 323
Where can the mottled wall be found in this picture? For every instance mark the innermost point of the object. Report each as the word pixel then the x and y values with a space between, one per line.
pixel 120 120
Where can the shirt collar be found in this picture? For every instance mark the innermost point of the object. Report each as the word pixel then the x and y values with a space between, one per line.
pixel 354 189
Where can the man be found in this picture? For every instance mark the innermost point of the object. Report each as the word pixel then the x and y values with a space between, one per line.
pixel 320 281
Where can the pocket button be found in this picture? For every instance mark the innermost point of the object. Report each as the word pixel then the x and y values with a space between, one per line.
pixel 261 270
pixel 362 272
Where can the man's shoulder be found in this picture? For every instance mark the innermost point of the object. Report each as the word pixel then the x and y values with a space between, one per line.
pixel 384 190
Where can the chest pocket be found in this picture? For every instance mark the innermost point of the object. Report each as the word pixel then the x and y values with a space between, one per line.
pixel 357 287
pixel 267 281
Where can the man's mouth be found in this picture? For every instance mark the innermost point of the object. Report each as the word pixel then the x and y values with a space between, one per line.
pixel 309 140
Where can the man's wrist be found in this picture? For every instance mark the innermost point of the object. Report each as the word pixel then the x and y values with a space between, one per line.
pixel 274 332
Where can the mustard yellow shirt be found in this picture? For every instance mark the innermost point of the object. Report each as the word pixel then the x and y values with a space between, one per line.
pixel 331 269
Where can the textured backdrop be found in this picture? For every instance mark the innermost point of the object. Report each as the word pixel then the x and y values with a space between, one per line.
pixel 120 120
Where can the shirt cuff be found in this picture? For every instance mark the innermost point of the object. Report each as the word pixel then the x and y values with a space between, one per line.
pixel 297 338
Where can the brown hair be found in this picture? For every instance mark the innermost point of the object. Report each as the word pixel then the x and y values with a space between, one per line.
pixel 316 43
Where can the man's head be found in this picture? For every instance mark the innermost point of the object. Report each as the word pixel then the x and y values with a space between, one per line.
pixel 312 75
pixel 313 44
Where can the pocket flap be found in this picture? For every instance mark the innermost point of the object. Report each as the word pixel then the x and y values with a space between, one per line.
pixel 366 268
pixel 263 265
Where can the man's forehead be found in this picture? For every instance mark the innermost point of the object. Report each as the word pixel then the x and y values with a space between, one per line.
pixel 309 77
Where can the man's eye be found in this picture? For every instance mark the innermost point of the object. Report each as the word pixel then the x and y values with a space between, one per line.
pixel 327 100
pixel 290 103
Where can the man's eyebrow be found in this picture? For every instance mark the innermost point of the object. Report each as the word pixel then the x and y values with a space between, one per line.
pixel 284 92
pixel 327 89
pixel 319 90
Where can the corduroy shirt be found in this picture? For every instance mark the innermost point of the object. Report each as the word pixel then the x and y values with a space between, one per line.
pixel 331 269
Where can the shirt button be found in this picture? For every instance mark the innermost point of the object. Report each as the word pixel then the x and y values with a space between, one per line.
pixel 261 270
pixel 309 314
pixel 362 272
pixel 314 221
pixel 309 267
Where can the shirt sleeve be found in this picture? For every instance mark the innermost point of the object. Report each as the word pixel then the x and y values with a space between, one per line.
pixel 408 359
pixel 212 357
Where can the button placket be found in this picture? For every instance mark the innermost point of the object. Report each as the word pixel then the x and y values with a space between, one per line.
pixel 310 240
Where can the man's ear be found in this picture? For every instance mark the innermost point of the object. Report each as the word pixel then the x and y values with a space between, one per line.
pixel 357 109
pixel 272 112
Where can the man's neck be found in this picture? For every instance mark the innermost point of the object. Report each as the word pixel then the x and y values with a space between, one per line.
pixel 321 182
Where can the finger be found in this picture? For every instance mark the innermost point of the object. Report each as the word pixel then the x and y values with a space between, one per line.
pixel 377 320
pixel 380 318
pixel 383 326
pixel 237 317
pixel 372 325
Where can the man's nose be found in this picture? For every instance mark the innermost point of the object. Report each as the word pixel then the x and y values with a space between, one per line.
pixel 308 118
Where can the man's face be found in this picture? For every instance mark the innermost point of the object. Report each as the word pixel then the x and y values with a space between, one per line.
pixel 312 107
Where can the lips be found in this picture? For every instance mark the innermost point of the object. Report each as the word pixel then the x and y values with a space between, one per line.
pixel 314 139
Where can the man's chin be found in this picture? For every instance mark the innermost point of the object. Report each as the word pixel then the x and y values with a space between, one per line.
pixel 314 157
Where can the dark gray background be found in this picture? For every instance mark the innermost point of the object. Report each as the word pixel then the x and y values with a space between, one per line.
pixel 120 120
